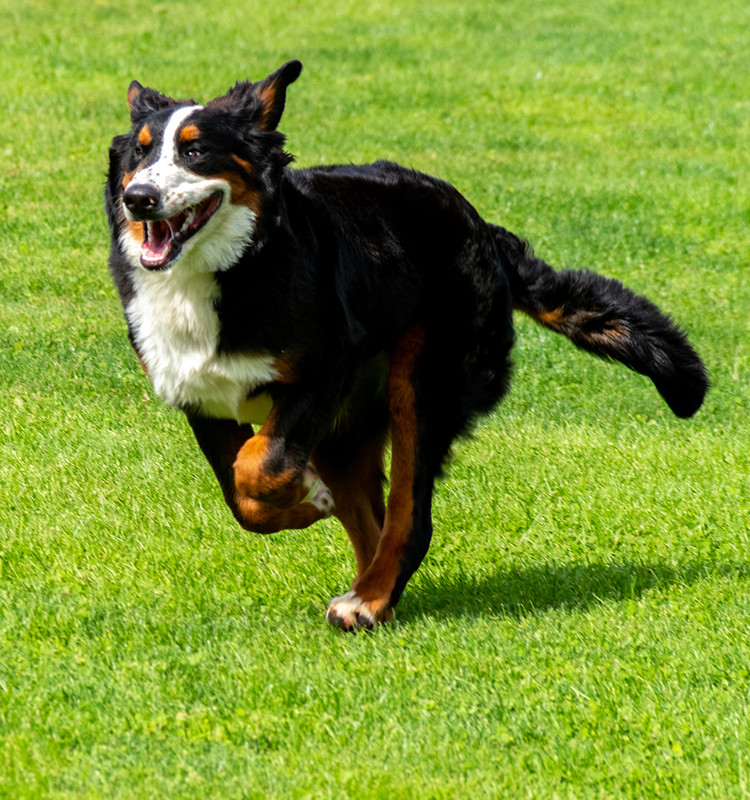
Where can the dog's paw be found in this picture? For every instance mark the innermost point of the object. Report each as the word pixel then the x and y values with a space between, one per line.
pixel 317 492
pixel 351 613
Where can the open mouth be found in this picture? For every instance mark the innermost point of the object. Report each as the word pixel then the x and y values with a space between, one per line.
pixel 163 238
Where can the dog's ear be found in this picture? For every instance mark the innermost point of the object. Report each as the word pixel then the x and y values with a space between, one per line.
pixel 258 105
pixel 142 101
pixel 271 92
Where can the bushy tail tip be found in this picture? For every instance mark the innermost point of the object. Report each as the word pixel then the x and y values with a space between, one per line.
pixel 602 316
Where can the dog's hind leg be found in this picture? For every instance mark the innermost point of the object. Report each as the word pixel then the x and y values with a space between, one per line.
pixel 408 524
pixel 351 465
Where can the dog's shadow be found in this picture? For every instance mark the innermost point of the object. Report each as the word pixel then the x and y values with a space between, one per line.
pixel 527 591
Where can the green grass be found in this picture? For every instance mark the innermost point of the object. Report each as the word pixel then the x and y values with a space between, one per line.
pixel 579 628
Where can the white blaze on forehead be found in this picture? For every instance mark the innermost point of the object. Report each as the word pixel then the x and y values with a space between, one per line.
pixel 165 173
pixel 175 121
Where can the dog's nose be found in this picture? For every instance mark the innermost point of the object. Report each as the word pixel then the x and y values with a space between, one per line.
pixel 141 199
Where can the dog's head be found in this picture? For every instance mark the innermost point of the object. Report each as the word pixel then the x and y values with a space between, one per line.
pixel 198 180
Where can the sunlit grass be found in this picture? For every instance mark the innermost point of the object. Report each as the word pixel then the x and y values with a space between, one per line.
pixel 579 627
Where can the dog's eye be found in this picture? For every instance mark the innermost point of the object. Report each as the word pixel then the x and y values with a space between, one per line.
pixel 193 152
pixel 138 151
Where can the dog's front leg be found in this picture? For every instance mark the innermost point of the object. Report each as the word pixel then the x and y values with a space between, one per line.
pixel 222 441
pixel 267 472
pixel 274 466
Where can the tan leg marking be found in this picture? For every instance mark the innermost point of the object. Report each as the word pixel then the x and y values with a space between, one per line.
pixel 253 479
pixel 262 518
pixel 357 491
pixel 367 604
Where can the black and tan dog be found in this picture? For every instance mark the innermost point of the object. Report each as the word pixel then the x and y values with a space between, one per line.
pixel 334 308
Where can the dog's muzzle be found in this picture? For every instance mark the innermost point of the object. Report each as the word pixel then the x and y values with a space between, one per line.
pixel 164 236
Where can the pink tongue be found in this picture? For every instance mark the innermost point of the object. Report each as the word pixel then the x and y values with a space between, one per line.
pixel 157 245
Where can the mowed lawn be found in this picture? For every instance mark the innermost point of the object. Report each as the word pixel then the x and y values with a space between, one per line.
pixel 581 625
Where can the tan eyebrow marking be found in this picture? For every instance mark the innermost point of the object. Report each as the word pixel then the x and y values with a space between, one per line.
pixel 244 164
pixel 144 137
pixel 189 133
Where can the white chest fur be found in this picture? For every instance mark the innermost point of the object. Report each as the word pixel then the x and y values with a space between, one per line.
pixel 176 328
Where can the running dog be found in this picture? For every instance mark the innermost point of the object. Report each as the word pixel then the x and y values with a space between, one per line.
pixel 302 319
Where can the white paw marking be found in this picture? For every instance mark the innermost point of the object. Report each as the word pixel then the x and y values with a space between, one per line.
pixel 351 612
pixel 318 493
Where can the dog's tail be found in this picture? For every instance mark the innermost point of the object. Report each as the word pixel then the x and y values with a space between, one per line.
pixel 602 316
